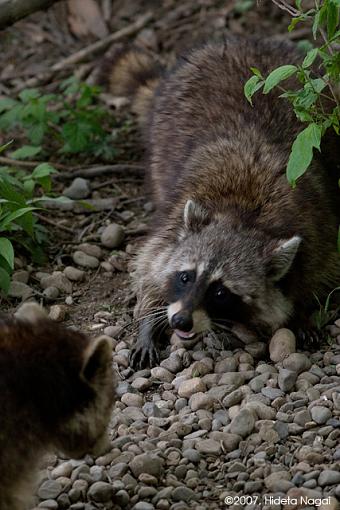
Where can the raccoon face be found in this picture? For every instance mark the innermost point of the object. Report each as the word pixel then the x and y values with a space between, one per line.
pixel 86 430
pixel 220 273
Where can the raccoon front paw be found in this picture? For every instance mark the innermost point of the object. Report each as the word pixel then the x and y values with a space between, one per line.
pixel 144 354
pixel 309 337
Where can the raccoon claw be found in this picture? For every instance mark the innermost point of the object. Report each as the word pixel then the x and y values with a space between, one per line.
pixel 309 337
pixel 144 356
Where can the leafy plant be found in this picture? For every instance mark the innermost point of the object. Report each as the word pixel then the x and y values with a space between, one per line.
pixel 21 196
pixel 316 102
pixel 325 314
pixel 71 121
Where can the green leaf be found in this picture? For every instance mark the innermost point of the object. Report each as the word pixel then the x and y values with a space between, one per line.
pixel 28 94
pixel 5 280
pixel 257 72
pixel 15 215
pixel 251 86
pixel 309 58
pixel 6 104
pixel 43 170
pixel 36 133
pixel 332 19
pixel 26 151
pixel 7 252
pixel 279 74
pixel 5 146
pixel 302 152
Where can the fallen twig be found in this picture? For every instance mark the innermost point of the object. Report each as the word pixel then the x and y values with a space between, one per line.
pixel 28 164
pixel 95 171
pixel 80 55
pixel 54 224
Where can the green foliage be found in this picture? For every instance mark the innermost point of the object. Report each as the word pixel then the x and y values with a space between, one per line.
pixel 21 195
pixel 70 122
pixel 325 313
pixel 314 97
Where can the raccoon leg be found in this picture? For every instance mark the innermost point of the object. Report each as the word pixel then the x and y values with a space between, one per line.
pixel 145 353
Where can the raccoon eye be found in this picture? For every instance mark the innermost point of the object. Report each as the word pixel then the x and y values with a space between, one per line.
pixel 184 277
pixel 220 293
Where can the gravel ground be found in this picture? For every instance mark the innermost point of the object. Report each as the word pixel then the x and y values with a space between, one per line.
pixel 209 427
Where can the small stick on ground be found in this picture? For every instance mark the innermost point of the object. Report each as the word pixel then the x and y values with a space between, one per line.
pixel 95 171
pixel 28 164
pixel 54 224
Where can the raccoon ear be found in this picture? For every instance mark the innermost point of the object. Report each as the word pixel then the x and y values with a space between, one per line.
pixel 282 258
pixel 195 216
pixel 97 356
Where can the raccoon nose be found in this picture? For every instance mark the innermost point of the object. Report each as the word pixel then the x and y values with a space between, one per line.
pixel 182 321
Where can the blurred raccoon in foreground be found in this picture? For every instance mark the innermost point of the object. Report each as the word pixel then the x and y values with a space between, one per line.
pixel 56 392
pixel 231 242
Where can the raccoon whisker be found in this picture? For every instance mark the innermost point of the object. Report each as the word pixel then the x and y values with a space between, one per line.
pixel 153 314
pixel 223 327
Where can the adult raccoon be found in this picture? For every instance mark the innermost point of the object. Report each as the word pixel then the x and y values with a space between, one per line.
pixel 56 392
pixel 231 242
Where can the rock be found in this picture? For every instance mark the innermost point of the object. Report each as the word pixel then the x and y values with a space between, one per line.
pixel 297 362
pixel 50 489
pixel 112 236
pixel 275 481
pixel 57 279
pixel 282 344
pixel 112 331
pixel 21 276
pixel 192 455
pixel 49 504
pixel 225 365
pixel 302 417
pixel 132 399
pixel 201 401
pixel 146 463
pixel 243 424
pixel 91 249
pixel 172 364
pixel 100 492
pixel 208 446
pixel 51 293
pixel 20 290
pixel 191 386
pixel 329 477
pixel 64 469
pixel 57 313
pixel 141 383
pixel 286 379
pixel 320 414
pixel 78 189
pixel 183 494
pixel 272 393
pixel 74 274
pixel 162 374
pixel 143 505
pixel 82 259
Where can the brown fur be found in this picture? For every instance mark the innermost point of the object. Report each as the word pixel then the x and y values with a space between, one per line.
pixel 56 392
pixel 209 145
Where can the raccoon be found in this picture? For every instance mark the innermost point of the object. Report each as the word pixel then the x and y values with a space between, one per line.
pixel 233 247
pixel 56 392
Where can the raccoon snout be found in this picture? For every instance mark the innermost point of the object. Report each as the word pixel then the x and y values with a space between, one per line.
pixel 182 321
